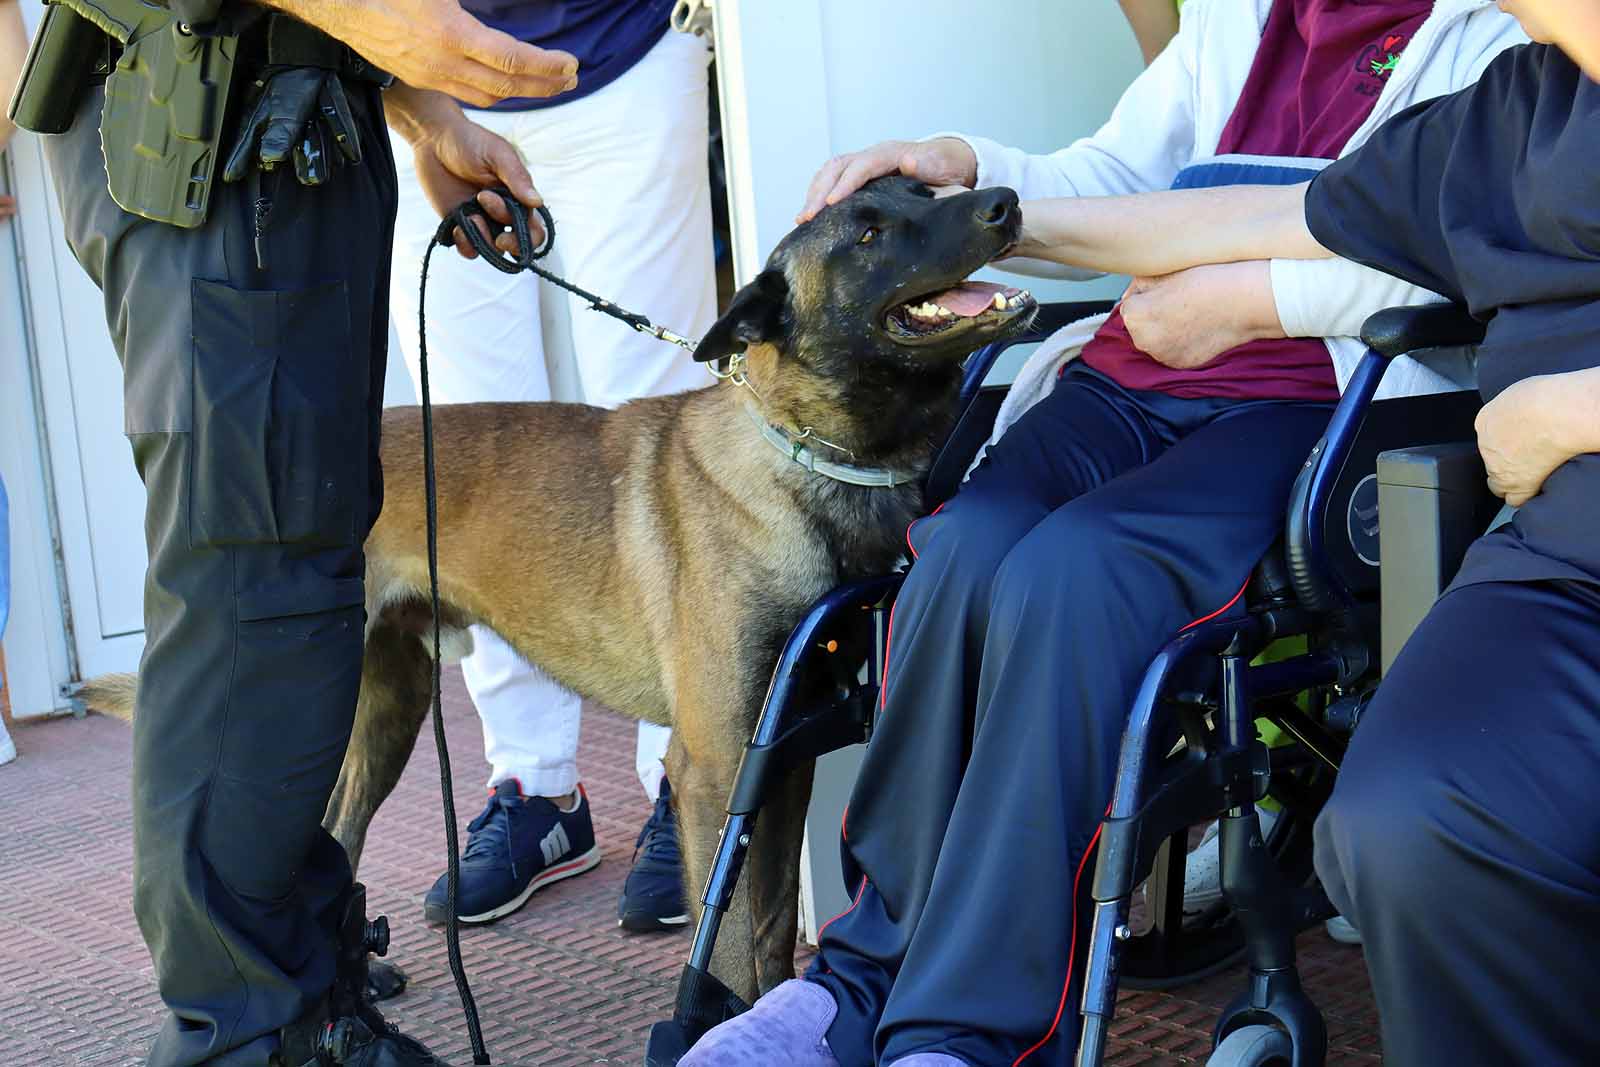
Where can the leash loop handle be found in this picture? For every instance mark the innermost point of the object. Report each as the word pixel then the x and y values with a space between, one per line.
pixel 505 262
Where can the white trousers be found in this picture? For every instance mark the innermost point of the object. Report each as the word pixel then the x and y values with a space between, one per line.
pixel 623 172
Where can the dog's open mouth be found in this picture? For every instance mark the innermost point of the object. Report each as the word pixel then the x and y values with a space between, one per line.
pixel 967 304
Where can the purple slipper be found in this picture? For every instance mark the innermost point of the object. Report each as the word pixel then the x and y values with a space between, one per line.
pixel 787 1028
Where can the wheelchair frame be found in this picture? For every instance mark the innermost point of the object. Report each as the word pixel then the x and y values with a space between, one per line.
pixel 1223 768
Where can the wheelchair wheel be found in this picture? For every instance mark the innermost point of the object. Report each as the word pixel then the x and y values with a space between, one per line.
pixel 1254 1046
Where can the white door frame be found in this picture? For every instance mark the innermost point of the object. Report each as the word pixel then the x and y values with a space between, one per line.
pixel 39 657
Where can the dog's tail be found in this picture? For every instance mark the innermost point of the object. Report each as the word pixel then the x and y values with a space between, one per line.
pixel 111 694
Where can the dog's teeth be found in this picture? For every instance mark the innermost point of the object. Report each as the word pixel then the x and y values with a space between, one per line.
pixel 946 313
pixel 999 301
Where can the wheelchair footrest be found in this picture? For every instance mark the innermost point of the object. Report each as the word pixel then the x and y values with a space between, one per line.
pixel 703 1002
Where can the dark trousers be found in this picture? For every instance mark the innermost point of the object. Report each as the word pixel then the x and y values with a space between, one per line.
pixel 252 403
pixel 1463 837
pixel 1102 524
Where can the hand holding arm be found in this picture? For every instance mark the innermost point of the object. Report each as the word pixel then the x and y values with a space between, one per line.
pixel 1186 320
pixel 1535 426
pixel 1152 234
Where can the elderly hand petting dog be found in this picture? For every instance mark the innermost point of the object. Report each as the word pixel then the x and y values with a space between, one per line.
pixel 942 161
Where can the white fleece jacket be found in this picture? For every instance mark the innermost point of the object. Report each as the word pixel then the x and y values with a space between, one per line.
pixel 1173 115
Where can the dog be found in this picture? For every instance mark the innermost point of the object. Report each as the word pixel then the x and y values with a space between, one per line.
pixel 655 558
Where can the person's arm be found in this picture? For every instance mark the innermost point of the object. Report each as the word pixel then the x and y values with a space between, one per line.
pixel 1154 22
pixel 13 50
pixel 1146 141
pixel 1186 320
pixel 456 159
pixel 1535 426
pixel 434 44
pixel 1153 234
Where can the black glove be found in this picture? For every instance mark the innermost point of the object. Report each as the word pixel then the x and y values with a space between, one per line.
pixel 298 110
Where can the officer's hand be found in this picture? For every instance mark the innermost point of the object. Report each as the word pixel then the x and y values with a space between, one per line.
pixel 462 159
pixel 941 161
pixel 8 206
pixel 301 112
pixel 434 44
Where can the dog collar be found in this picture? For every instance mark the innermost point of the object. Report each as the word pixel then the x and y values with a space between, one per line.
pixel 795 448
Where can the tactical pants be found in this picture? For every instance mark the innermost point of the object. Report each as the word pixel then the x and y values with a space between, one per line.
pixel 252 403
pixel 1463 838
pixel 1100 525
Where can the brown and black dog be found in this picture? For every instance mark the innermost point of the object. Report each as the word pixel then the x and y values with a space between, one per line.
pixel 654 558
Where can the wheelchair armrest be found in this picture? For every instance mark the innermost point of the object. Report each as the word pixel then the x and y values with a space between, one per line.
pixel 977 408
pixel 1403 330
pixel 1389 333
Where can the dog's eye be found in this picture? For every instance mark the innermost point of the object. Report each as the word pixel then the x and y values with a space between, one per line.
pixel 868 235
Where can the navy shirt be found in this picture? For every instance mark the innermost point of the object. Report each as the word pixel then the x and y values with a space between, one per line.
pixel 1491 196
pixel 607 36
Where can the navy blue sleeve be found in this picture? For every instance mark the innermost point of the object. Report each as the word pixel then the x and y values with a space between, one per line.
pixel 1380 206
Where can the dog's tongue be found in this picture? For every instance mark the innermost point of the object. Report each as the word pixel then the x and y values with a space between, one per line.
pixel 969 299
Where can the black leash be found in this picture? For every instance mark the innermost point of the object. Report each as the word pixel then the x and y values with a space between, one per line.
pixel 524 258
pixel 526 254
pixel 452 931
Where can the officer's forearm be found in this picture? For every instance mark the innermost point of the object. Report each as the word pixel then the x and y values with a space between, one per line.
pixel 1152 234
pixel 418 114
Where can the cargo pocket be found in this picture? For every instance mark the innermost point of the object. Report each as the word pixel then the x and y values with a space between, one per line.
pixel 296 673
pixel 279 417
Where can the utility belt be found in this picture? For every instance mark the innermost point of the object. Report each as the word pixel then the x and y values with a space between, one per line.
pixel 170 91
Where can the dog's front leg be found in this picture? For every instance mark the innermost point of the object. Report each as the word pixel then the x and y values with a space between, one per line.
pixel 702 777
pixel 773 869
pixel 396 684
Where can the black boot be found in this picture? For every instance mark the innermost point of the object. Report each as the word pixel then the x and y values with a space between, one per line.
pixel 348 1031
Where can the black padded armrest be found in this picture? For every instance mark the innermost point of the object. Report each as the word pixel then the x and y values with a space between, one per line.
pixel 1400 331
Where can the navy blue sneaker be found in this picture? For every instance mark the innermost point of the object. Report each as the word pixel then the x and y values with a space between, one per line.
pixel 652 897
pixel 516 846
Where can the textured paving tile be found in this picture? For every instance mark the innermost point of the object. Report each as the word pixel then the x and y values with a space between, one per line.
pixel 556 984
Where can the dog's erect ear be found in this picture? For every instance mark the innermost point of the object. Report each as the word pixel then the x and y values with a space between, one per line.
pixel 755 315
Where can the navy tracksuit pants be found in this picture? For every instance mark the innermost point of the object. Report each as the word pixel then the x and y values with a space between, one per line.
pixel 1103 522
pixel 1463 837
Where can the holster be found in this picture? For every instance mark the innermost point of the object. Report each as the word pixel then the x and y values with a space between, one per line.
pixel 166 100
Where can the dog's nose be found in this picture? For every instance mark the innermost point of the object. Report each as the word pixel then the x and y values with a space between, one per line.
pixel 997 207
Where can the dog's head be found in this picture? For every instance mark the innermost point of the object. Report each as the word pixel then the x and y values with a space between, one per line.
pixel 881 278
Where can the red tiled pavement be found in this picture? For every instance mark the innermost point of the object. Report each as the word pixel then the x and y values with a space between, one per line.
pixel 557 984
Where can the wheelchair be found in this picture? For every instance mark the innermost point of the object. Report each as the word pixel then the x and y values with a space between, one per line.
pixel 1191 751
